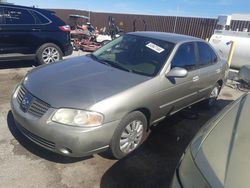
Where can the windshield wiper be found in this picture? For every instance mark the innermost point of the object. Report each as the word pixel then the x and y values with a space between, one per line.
pixel 116 65
pixel 109 63
pixel 97 59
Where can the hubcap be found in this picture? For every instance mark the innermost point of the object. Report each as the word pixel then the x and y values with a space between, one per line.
pixel 131 136
pixel 213 96
pixel 50 55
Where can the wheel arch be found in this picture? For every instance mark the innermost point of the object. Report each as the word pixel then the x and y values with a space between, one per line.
pixel 146 112
pixel 51 42
pixel 220 82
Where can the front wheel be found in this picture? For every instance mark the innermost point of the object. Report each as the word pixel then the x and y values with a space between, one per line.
pixel 48 53
pixel 129 135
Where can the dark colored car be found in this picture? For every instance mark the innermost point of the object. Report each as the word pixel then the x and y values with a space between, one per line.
pixel 32 33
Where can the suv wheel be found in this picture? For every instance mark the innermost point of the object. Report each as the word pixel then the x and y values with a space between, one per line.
pixel 129 135
pixel 48 53
pixel 210 102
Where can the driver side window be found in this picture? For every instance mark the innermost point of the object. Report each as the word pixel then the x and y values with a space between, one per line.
pixel 185 57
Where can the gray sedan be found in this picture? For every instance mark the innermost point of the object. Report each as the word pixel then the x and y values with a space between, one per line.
pixel 109 99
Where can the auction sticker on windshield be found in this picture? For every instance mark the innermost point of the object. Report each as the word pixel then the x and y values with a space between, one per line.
pixel 154 47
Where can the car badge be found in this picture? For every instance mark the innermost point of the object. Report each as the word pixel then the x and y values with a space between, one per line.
pixel 26 102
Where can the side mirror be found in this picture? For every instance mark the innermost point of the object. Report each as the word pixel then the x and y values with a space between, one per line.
pixel 177 72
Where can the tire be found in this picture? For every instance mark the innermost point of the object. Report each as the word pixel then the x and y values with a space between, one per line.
pixel 49 50
pixel 210 102
pixel 135 120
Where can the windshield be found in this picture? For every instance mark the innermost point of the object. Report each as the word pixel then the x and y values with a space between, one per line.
pixel 136 54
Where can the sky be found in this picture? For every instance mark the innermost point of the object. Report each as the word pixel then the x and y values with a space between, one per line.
pixel 194 8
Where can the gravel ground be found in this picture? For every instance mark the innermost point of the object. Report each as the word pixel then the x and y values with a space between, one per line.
pixel 24 164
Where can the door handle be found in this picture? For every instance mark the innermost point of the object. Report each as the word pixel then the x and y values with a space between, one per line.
pixel 35 29
pixel 195 78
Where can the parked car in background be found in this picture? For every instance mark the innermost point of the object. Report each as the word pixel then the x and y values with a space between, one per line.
pixel 32 33
pixel 219 154
pixel 110 98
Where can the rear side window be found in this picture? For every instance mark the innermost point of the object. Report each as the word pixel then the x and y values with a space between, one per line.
pixel 39 18
pixel 185 57
pixel 18 16
pixel 1 15
pixel 206 54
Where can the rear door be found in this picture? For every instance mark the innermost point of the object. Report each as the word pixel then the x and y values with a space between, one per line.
pixel 17 32
pixel 177 93
pixel 209 69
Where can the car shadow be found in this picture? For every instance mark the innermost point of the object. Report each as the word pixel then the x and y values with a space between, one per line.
pixel 153 164
pixel 36 149
pixel 17 64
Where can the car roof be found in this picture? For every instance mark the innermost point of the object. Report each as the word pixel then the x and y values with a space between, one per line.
pixel 25 7
pixel 169 37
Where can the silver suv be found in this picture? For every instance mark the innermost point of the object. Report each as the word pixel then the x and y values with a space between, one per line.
pixel 110 98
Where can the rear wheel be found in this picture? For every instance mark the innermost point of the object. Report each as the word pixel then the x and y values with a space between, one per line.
pixel 48 53
pixel 129 135
pixel 210 102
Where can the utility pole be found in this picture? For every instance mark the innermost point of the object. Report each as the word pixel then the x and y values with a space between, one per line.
pixel 175 22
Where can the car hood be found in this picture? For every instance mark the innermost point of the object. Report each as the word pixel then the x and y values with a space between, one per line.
pixel 224 155
pixel 78 82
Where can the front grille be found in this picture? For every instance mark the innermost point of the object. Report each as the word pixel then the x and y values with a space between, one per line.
pixel 43 142
pixel 37 107
pixel 21 94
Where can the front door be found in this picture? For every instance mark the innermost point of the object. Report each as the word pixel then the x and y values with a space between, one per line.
pixel 177 93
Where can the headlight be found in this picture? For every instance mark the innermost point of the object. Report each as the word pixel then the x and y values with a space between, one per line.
pixel 76 117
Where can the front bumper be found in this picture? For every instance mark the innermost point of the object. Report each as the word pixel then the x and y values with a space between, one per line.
pixel 55 137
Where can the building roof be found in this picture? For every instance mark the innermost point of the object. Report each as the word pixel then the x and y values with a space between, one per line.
pixel 241 17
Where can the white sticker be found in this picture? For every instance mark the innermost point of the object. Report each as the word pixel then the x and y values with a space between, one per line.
pixel 154 47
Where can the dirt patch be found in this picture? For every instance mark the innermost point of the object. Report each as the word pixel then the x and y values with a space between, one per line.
pixel 8 80
pixel 4 141
pixel 227 95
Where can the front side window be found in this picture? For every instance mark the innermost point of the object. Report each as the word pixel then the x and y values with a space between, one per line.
pixel 136 54
pixel 18 16
pixel 185 57
pixel 206 54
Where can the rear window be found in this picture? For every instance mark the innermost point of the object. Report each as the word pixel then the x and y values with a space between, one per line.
pixel 18 16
